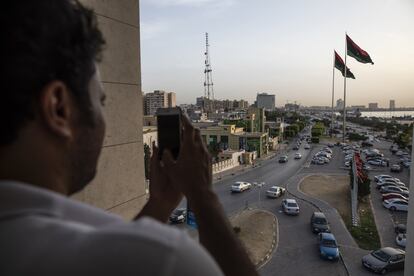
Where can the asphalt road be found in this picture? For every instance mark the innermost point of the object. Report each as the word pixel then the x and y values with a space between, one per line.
pixel 297 252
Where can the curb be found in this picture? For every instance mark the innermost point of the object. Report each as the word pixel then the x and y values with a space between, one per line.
pixel 275 242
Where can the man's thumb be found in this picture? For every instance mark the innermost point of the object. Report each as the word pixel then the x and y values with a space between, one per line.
pixel 167 159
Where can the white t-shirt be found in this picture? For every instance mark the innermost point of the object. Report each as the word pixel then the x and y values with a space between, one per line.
pixel 44 233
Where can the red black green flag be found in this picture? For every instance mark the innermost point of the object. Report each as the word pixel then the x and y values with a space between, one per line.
pixel 340 65
pixel 356 52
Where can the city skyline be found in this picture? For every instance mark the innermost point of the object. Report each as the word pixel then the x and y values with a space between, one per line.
pixel 280 48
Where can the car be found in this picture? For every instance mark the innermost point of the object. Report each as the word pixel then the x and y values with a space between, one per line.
pixel 392 180
pixel 396 204
pixel 328 150
pixel 178 216
pixel 377 162
pixel 328 248
pixel 283 159
pixel 393 195
pixel 290 206
pixel 399 153
pixel 317 161
pixel 394 189
pixel 324 154
pixel 319 223
pixel 347 164
pixel 331 145
pixel 382 176
pixel 296 147
pixel 275 192
pixel 401 240
pixel 406 164
pixel 306 147
pixel 396 168
pixel 324 159
pixel 400 229
pixel 367 144
pixel 298 155
pixel 384 260
pixel 240 186
pixel 389 183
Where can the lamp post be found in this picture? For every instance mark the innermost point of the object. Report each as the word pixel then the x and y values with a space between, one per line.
pixel 259 185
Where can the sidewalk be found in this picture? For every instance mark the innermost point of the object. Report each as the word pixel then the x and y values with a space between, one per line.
pixel 242 168
pixel 351 254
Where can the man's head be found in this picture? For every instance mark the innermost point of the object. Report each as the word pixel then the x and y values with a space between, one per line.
pixel 50 86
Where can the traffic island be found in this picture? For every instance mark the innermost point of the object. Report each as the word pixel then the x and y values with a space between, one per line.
pixel 257 230
pixel 335 190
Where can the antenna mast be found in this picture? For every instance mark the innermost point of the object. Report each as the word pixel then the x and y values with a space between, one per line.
pixel 208 79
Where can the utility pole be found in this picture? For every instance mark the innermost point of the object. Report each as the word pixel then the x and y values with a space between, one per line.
pixel 208 80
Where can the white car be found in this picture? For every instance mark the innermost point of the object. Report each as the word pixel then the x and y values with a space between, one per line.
pixel 401 239
pixel 383 176
pixel 391 180
pixel 396 204
pixel 298 155
pixel 275 192
pixel 240 186
pixel 306 146
pixel 389 183
pixel 290 206
pixel 377 163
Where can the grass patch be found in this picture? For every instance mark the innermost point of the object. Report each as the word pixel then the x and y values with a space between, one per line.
pixel 365 235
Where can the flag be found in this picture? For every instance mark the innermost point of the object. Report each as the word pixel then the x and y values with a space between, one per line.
pixel 356 52
pixel 340 65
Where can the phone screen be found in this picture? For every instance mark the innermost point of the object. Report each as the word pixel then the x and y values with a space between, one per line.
pixel 169 134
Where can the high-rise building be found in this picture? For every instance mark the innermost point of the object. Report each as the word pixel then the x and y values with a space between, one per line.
pixel 155 100
pixel 340 104
pixel 392 104
pixel 171 99
pixel 266 101
pixel 373 106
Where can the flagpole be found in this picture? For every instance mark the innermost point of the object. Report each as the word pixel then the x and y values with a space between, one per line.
pixel 333 92
pixel 344 116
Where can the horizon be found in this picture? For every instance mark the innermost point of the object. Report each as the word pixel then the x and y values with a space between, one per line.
pixel 295 40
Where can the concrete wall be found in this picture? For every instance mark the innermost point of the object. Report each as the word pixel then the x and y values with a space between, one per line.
pixel 119 186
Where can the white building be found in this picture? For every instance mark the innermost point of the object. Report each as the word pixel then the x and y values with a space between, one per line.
pixel 158 99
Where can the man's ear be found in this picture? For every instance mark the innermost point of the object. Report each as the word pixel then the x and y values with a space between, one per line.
pixel 56 108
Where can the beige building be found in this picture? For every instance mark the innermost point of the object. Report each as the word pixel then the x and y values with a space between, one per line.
pixel 119 185
pixel 171 99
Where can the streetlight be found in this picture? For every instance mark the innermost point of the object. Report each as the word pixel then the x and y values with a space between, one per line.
pixel 259 185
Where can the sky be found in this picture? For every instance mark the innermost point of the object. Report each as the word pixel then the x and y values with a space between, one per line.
pixel 282 47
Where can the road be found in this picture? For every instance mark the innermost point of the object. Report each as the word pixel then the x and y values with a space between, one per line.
pixel 297 252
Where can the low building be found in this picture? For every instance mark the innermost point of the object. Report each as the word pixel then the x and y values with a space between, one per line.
pixel 373 106
pixel 149 120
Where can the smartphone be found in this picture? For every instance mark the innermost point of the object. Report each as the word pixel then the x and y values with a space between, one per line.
pixel 169 130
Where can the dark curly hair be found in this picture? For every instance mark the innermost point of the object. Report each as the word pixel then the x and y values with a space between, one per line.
pixel 44 40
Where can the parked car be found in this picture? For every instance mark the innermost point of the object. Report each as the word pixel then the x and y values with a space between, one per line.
pixel 406 164
pixel 382 176
pixel 384 260
pixel 178 215
pixel 296 147
pixel 331 145
pixel 306 147
pixel 298 155
pixel 392 180
pixel 377 162
pixel 283 159
pixel 327 150
pixel 392 196
pixel 399 153
pixel 389 183
pixel 394 189
pixel 290 206
pixel 240 186
pixel 319 223
pixel 275 192
pixel 317 161
pixel 400 229
pixel 396 204
pixel 401 240
pixel 396 168
pixel 328 248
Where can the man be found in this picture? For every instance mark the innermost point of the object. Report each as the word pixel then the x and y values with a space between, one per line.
pixel 52 131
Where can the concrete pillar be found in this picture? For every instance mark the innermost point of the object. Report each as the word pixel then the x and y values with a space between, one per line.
pixel 409 250
pixel 119 186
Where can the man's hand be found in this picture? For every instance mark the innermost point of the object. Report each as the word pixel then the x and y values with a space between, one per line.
pixel 191 172
pixel 164 198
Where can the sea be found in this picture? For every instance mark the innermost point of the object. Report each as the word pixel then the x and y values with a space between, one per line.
pixel 387 114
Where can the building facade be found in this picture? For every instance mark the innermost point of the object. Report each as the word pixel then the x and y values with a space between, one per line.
pixel 171 99
pixel 392 104
pixel 157 99
pixel 373 106
pixel 119 185
pixel 339 104
pixel 266 101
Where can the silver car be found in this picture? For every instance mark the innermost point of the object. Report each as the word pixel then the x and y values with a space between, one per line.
pixel 290 206
pixel 384 260
pixel 275 192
